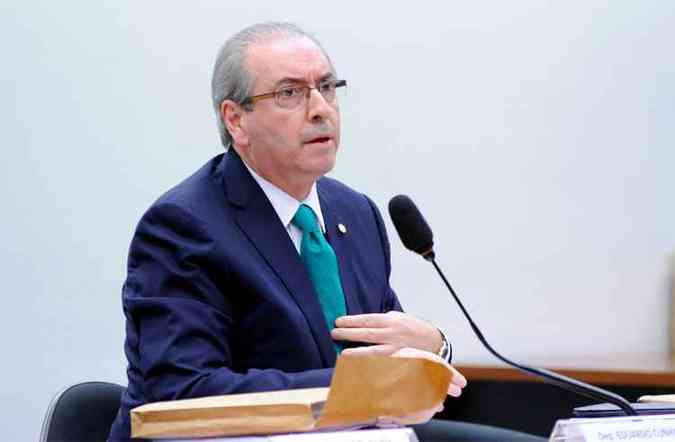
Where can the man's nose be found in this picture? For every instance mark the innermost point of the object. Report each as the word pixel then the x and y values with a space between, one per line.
pixel 317 106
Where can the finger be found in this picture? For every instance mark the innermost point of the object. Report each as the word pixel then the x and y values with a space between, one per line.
pixel 387 421
pixel 410 418
pixel 409 352
pixel 454 390
pixel 367 335
pixel 368 320
pixel 458 378
pixel 370 350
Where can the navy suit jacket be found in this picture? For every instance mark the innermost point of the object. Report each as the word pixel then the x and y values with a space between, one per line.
pixel 217 300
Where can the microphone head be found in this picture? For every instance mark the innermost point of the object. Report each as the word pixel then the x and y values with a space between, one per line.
pixel 411 226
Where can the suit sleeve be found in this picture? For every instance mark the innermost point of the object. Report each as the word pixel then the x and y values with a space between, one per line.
pixel 390 301
pixel 180 319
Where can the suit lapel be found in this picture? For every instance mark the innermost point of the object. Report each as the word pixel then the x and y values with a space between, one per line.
pixel 256 217
pixel 340 244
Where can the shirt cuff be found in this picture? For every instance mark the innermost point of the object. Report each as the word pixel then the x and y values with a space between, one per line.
pixel 446 349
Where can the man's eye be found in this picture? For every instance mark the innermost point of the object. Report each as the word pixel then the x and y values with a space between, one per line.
pixel 289 92
pixel 327 86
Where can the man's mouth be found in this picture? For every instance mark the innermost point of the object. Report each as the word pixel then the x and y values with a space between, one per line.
pixel 319 140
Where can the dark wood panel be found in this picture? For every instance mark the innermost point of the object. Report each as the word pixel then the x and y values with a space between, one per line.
pixel 596 377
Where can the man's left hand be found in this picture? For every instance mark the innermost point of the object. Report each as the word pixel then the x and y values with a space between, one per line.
pixel 389 332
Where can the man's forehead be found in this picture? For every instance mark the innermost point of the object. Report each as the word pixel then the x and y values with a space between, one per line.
pixel 287 57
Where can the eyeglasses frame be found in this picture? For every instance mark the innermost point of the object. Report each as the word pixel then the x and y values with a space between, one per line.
pixel 253 98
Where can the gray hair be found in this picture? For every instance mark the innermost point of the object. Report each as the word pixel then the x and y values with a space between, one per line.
pixel 231 80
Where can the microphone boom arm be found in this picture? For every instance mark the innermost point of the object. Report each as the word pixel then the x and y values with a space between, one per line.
pixel 564 382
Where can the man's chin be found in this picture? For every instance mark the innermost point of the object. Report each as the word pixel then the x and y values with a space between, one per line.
pixel 322 165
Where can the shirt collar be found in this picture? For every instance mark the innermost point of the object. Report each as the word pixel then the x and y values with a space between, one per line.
pixel 285 205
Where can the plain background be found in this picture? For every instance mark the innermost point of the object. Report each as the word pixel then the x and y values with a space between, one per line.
pixel 537 137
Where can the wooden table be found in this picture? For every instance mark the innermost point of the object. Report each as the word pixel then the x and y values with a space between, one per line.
pixel 505 397
pixel 641 378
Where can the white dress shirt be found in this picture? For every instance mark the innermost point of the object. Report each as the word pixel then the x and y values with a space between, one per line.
pixel 286 206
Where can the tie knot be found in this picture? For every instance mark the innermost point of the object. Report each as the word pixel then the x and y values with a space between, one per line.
pixel 305 219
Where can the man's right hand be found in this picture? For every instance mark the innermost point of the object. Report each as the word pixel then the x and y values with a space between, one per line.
pixel 457 383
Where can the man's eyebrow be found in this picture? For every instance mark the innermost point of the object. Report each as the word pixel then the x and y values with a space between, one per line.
pixel 328 76
pixel 287 80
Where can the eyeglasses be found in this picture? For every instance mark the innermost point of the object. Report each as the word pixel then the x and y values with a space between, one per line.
pixel 290 97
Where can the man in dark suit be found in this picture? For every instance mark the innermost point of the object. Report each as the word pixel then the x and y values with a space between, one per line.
pixel 256 271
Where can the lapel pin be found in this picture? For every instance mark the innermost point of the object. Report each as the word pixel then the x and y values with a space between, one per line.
pixel 342 228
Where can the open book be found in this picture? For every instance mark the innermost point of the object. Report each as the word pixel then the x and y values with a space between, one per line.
pixel 362 389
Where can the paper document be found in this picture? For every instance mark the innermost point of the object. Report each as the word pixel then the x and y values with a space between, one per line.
pixel 362 388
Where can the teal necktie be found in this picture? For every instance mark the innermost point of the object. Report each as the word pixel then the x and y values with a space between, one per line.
pixel 322 266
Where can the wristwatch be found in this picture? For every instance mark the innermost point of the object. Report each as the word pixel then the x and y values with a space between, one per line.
pixel 446 349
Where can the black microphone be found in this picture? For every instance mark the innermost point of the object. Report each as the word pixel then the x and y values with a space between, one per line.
pixel 416 236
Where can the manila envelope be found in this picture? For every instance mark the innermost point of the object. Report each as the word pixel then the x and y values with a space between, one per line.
pixel 362 389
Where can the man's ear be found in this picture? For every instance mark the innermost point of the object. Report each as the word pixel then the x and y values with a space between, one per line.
pixel 233 116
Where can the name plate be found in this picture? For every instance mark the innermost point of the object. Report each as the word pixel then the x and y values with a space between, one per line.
pixel 610 429
pixel 374 435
